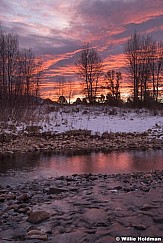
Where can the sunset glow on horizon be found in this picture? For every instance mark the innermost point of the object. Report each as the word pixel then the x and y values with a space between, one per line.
pixel 57 29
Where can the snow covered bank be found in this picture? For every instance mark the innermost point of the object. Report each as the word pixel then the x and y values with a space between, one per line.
pixel 80 130
pixel 94 118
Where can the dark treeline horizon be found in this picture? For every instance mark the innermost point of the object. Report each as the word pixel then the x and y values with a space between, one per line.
pixel 144 60
pixel 20 71
pixel 144 65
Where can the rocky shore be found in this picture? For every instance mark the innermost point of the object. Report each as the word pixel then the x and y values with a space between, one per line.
pixel 83 208
pixel 77 142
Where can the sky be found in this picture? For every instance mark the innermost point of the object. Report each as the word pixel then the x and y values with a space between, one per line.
pixel 57 29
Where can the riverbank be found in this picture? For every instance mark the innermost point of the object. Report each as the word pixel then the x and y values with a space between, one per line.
pixel 77 142
pixel 83 208
pixel 81 130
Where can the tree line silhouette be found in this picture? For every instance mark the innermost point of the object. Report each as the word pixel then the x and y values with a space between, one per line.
pixel 20 72
pixel 144 59
pixel 144 63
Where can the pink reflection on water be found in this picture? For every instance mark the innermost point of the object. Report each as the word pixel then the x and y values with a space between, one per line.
pixel 43 166
pixel 123 162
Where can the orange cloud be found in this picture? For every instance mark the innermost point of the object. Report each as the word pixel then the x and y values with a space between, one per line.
pixel 57 29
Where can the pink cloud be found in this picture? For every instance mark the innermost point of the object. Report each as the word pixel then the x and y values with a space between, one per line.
pixel 56 29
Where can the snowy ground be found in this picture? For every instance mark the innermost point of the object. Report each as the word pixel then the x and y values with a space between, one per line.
pixel 101 122
pixel 96 119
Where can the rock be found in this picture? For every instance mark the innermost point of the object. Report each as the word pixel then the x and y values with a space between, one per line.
pixel 105 135
pixel 114 191
pixel 133 145
pixel 37 237
pixel 118 209
pixel 73 189
pixel 118 188
pixel 145 189
pixel 158 220
pixel 146 207
pixel 37 234
pixel 10 196
pixel 126 181
pixel 23 210
pixel 72 237
pixel 32 227
pixel 16 235
pixel 38 216
pixel 2 198
pixel 14 206
pixel 96 217
pixel 54 190
pixel 126 189
pixel 48 227
pixel 139 227
pixel 70 179
pixel 23 197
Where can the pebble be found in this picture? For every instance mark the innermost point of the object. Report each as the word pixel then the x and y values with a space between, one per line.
pixel 37 237
pixel 140 227
pixel 23 197
pixel 59 211
pixel 37 216
pixel 80 143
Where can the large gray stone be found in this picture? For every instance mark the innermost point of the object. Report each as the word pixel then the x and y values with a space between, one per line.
pixel 38 216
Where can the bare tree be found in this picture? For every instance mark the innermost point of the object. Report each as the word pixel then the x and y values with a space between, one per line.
pixel 144 62
pixel 89 65
pixel 20 73
pixel 12 52
pixel 59 87
pixel 113 83
pixel 156 67
pixel 2 63
pixel 144 67
pixel 131 50
pixel 70 91
pixel 8 59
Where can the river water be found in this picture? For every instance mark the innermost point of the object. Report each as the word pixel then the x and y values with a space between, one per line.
pixel 28 167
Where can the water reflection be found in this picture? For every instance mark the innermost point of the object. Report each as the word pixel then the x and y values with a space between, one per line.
pixel 20 162
pixel 50 165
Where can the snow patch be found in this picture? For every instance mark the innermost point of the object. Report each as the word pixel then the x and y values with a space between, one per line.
pixel 96 119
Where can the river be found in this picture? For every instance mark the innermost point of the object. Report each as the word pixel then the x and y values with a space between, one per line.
pixel 39 166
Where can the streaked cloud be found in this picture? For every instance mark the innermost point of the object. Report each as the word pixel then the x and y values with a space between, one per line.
pixel 56 29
